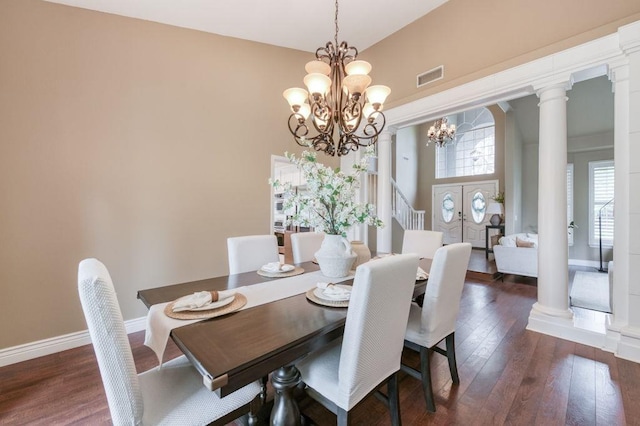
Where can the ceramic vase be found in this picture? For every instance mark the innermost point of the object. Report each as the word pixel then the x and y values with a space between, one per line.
pixel 335 256
pixel 362 252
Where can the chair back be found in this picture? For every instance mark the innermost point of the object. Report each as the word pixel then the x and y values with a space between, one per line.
pixel 375 325
pixel 423 243
pixel 110 342
pixel 444 289
pixel 304 245
pixel 250 252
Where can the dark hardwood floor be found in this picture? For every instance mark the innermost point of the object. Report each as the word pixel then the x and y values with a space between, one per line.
pixel 508 375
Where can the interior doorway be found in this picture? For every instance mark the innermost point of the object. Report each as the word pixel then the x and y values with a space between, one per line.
pixel 459 211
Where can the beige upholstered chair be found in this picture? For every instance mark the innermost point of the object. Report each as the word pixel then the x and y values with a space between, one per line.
pixel 436 320
pixel 250 252
pixel 304 245
pixel 340 375
pixel 423 243
pixel 171 395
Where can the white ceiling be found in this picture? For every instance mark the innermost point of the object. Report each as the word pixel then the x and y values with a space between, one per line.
pixel 298 24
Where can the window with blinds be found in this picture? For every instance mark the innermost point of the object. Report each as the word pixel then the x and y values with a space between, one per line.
pixel 601 204
pixel 570 201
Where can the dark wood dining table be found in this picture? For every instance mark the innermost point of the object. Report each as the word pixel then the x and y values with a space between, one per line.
pixel 233 350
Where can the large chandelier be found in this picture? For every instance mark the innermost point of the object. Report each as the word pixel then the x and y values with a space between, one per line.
pixel 340 101
pixel 440 134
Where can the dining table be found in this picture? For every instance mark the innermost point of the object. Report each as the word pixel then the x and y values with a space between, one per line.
pixel 235 349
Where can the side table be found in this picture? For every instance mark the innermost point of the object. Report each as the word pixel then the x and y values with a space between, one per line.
pixel 488 250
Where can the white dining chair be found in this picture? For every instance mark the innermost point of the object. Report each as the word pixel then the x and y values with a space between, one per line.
pixel 304 245
pixel 423 243
pixel 171 395
pixel 436 320
pixel 343 373
pixel 250 252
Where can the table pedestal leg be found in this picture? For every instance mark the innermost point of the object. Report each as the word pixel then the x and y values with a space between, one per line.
pixel 285 410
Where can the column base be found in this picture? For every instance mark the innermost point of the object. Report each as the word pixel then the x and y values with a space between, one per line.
pixel 559 323
pixel 629 344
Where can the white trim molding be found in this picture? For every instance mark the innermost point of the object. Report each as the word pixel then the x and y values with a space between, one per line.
pixel 53 345
pixel 609 55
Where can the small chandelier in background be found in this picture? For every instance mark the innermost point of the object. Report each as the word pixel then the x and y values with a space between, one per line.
pixel 339 100
pixel 440 134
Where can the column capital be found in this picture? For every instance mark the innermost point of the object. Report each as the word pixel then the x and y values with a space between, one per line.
pixel 553 91
pixel 618 73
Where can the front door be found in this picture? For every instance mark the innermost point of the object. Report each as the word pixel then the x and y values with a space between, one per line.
pixel 459 211
pixel 447 212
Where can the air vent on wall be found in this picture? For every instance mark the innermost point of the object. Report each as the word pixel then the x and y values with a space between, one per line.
pixel 431 76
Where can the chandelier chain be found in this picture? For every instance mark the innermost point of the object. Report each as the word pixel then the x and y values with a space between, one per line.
pixel 336 22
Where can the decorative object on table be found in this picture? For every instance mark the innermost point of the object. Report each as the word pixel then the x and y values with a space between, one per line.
pixel 440 134
pixel 296 270
pixel 340 101
pixel 328 205
pixel 203 300
pixel 335 256
pixel 362 252
pixel 238 302
pixel 329 294
pixel 496 210
pixel 421 275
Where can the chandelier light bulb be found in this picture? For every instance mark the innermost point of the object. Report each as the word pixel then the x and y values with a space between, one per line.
pixel 317 67
pixel 358 68
pixel 377 94
pixel 356 83
pixel 304 110
pixel 295 96
pixel 318 84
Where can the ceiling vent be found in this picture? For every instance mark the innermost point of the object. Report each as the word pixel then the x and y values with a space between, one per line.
pixel 431 76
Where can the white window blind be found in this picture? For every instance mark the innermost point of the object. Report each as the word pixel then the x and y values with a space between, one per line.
pixel 570 201
pixel 601 205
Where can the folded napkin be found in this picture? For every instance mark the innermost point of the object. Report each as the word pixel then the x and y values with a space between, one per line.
pixel 277 267
pixel 333 291
pixel 421 274
pixel 200 299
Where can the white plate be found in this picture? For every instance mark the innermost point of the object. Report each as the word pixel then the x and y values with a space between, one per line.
pixel 319 292
pixel 283 268
pixel 212 305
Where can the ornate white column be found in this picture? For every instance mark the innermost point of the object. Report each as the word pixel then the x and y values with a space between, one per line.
pixel 619 76
pixel 551 313
pixel 384 191
pixel 626 248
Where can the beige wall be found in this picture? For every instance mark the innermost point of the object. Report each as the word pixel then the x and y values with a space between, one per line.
pixel 141 144
pixel 476 38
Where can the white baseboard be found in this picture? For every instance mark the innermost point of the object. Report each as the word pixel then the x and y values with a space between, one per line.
pixel 588 263
pixel 53 345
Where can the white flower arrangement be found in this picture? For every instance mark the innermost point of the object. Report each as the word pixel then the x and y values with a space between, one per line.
pixel 328 205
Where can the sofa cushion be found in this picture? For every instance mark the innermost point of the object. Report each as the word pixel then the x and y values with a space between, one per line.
pixel 524 243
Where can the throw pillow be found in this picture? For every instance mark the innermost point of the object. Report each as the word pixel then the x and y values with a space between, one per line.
pixel 524 243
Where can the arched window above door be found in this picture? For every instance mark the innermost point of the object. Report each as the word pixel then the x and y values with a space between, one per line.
pixel 473 151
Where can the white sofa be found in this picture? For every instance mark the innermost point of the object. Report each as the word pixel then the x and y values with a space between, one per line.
pixel 511 259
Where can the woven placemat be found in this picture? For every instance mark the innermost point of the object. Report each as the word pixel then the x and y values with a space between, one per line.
pixel 239 301
pixel 324 302
pixel 295 271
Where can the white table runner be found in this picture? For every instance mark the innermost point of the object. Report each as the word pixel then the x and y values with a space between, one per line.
pixel 159 325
